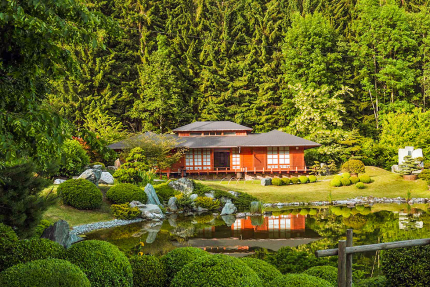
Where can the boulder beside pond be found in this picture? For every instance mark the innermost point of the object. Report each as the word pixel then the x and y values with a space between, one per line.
pixel 60 232
pixel 148 211
pixel 172 204
pixel 152 195
pixel 183 185
pixel 229 208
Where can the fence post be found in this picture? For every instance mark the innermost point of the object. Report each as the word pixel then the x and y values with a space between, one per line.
pixel 349 243
pixel 341 264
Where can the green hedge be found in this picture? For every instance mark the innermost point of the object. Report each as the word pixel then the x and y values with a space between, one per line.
pixel 8 239
pixel 335 182
pixel 354 179
pixel 303 179
pixel 80 193
pixel 354 166
pixel 299 280
pixel 124 211
pixel 148 271
pixel 33 249
pixel 407 266
pixel 359 185
pixel 294 180
pixel 43 273
pixel 312 178
pixel 207 202
pixel 126 192
pixel 285 181
pixel 289 260
pixel 346 175
pixel 264 270
pixel 345 182
pixel 164 191
pixel 365 178
pixel 179 257
pixel 328 273
pixel 277 181
pixel 102 262
pixel 378 281
pixel 216 271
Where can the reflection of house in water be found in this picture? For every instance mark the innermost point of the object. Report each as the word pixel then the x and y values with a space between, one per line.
pixel 406 223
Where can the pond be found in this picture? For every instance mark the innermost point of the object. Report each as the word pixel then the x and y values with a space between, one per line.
pixel 308 229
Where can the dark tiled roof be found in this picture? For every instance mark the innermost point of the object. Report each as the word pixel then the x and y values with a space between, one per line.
pixel 212 126
pixel 273 138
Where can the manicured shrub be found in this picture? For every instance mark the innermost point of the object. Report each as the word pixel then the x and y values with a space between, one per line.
pixel 148 271
pixel 354 166
pixel 8 239
pixel 345 182
pixel 294 180
pixel 43 224
pixel 277 181
pixel 42 273
pixel 303 179
pixel 312 178
pixel 346 175
pixel 74 158
pixel 285 181
pixel 80 193
pixel 124 211
pixel 288 260
pixel 200 189
pixel 127 174
pixel 354 179
pixel 304 211
pixel 339 177
pixel 207 202
pixel 359 185
pixel 328 273
pixel 243 201
pixel 216 270
pixel 365 178
pixel 126 192
pixel 102 262
pixel 378 281
pixel 34 249
pixel 407 266
pixel 164 191
pixel 299 280
pixel 335 182
pixel 264 270
pixel 179 257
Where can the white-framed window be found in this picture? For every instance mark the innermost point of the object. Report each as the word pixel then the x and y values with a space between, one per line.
pixel 198 159
pixel 236 159
pixel 278 157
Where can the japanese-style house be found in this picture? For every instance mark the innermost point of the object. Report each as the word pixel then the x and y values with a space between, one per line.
pixel 226 147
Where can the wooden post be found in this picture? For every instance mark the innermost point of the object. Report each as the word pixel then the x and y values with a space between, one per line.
pixel 349 243
pixel 341 264
pixel 255 170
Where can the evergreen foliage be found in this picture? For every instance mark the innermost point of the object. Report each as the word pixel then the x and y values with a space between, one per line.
pixel 299 280
pixel 148 271
pixel 328 273
pixel 264 270
pixel 176 259
pixel 80 194
pixel 126 192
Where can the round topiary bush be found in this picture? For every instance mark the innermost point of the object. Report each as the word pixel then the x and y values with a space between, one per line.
pixel 148 271
pixel 339 177
pixel 328 273
pixel 126 192
pixel 335 182
pixel 354 166
pixel 8 239
pixel 303 179
pixel 299 280
pixel 359 185
pixel 294 180
pixel 345 182
pixel 285 181
pixel 277 181
pixel 42 273
pixel 80 194
pixel 312 178
pixel 102 262
pixel 164 191
pixel 264 270
pixel 346 175
pixel 217 270
pixel 34 249
pixel 179 257
pixel 365 178
pixel 354 179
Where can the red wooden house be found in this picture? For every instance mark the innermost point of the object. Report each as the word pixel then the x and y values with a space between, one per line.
pixel 227 147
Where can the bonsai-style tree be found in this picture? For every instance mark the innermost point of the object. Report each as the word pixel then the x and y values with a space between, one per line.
pixel 408 166
pixel 354 166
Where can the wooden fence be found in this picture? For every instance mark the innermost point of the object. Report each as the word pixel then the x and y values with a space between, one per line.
pixel 346 249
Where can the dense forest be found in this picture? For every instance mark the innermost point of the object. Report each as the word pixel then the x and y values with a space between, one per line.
pixel 353 75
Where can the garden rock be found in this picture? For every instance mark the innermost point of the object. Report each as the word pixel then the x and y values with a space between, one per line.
pixel 148 211
pixel 210 195
pixel 152 195
pixel 172 220
pixel 234 193
pixel 183 185
pixel 92 174
pixel 60 233
pixel 172 204
pixel 59 181
pixel 193 196
pixel 229 208
pixel 229 219
pixel 106 178
pixel 266 181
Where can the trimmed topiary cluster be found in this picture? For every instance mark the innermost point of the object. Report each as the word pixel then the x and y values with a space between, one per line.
pixel 264 270
pixel 365 178
pixel 285 181
pixel 148 271
pixel 303 179
pixel 359 185
pixel 354 166
pixel 80 194
pixel 207 202
pixel 126 192
pixel 42 273
pixel 299 280
pixel 354 179
pixel 179 257
pixel 8 239
pixel 378 281
pixel 277 181
pixel 335 182
pixel 124 211
pixel 294 180
pixel 346 175
pixel 216 270
pixel 345 182
pixel 328 273
pixel 102 262
pixel 164 191
pixel 312 178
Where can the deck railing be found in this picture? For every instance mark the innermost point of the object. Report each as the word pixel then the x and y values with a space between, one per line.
pixel 346 249
pixel 221 170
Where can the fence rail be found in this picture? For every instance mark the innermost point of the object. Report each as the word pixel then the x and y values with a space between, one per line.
pixel 346 249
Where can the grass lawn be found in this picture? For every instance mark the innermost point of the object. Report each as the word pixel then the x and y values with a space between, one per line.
pixel 386 184
pixel 75 216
